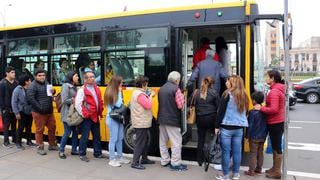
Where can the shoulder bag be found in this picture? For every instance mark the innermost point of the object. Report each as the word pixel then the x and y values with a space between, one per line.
pixel 191 116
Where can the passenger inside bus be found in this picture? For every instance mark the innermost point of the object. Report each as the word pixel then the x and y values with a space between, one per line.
pixel 63 71
pixel 200 54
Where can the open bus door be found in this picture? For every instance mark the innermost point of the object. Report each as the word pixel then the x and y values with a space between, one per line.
pixel 2 59
pixel 184 70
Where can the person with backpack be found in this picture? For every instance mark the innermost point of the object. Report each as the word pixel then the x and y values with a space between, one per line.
pixel 22 110
pixel 7 85
pixel 256 134
pixel 68 93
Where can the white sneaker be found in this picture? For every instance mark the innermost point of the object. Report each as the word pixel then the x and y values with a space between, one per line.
pixel 236 176
pixel 123 161
pixel 222 177
pixel 114 163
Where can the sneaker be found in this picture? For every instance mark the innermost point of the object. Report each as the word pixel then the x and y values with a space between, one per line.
pixel 114 163
pixel 74 153
pixel 180 167
pixel 53 148
pixel 165 165
pixel 138 166
pixel 62 155
pixel 236 176
pixel 41 151
pixel 7 145
pixel 222 177
pixel 19 146
pixel 30 143
pixel 101 156
pixel 84 158
pixel 123 161
pixel 147 161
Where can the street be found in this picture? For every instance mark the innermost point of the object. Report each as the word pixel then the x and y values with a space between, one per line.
pixel 304 140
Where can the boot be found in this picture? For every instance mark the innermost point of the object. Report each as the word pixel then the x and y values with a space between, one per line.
pixel 276 173
pixel 271 169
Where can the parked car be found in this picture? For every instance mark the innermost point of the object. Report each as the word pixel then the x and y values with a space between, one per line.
pixel 308 90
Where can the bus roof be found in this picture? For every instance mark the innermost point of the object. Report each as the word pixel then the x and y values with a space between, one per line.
pixel 133 13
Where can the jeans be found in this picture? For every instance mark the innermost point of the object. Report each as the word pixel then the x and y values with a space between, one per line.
pixel 86 126
pixel 231 141
pixel 116 137
pixel 67 131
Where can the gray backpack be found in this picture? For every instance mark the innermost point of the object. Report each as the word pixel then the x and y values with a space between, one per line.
pixel 74 118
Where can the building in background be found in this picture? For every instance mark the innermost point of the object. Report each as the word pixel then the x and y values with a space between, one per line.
pixel 272 45
pixel 304 58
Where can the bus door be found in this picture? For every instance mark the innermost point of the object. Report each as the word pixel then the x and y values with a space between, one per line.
pixel 184 73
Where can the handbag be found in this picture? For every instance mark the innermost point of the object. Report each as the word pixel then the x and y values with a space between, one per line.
pixel 74 118
pixel 118 113
pixel 191 116
pixel 212 152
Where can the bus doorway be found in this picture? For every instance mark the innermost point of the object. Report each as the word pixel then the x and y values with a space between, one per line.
pixel 189 43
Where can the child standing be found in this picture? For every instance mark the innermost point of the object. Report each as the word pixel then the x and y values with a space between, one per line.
pixel 256 134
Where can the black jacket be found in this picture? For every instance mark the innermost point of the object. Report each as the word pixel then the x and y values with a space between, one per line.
pixel 6 91
pixel 208 106
pixel 37 97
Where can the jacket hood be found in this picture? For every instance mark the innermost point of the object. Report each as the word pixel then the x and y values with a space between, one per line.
pixel 279 87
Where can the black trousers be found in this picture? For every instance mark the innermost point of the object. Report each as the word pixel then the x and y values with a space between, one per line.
pixel 275 133
pixel 204 124
pixel 141 145
pixel 24 123
pixel 9 119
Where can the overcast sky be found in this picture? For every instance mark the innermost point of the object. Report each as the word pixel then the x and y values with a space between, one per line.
pixel 18 12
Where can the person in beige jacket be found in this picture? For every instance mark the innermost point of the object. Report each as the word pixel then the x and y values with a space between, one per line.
pixel 141 117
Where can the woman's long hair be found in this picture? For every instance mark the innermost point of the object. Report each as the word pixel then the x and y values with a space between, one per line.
pixel 205 84
pixel 111 93
pixel 238 92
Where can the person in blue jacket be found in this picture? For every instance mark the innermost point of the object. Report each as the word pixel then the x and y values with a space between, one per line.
pixel 256 133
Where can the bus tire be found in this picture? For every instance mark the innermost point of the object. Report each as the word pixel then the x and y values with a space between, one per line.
pixel 130 136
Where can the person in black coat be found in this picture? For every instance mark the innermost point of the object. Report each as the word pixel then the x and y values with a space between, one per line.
pixel 206 103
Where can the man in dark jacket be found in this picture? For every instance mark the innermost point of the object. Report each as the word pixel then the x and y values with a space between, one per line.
pixel 40 97
pixel 171 102
pixel 7 86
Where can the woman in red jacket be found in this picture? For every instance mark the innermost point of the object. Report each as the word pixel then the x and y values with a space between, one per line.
pixel 275 112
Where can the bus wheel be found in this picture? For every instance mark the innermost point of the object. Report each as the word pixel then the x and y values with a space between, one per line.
pixel 130 137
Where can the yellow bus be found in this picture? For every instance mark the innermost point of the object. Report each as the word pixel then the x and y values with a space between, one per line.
pixel 151 42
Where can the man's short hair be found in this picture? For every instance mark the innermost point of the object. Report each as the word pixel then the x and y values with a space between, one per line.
pixel 9 69
pixel 61 60
pixel 23 78
pixel 210 52
pixel 39 71
pixel 258 97
pixel 174 76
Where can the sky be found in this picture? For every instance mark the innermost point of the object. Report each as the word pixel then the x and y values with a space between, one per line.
pixel 19 12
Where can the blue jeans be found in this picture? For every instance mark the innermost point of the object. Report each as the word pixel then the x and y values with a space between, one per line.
pixel 116 137
pixel 231 142
pixel 67 131
pixel 85 127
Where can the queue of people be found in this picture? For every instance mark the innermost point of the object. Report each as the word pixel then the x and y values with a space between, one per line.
pixel 225 116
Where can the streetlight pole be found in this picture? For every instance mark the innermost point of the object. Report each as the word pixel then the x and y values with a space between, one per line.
pixel 286 78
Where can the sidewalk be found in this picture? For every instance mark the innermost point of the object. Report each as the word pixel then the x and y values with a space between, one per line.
pixel 28 165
